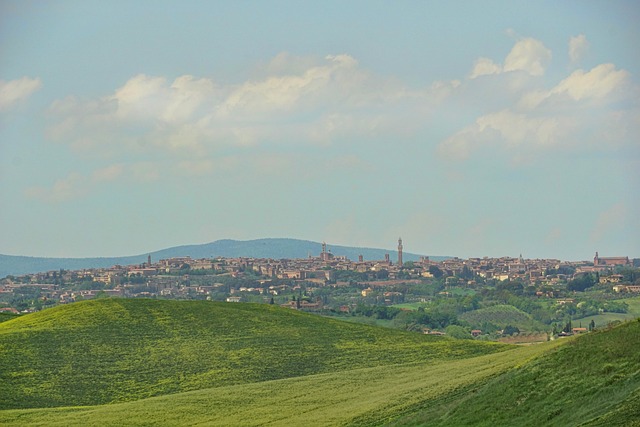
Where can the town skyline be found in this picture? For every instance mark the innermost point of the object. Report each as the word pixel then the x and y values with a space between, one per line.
pixel 470 130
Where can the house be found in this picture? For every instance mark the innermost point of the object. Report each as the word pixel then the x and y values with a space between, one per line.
pixel 579 330
pixel 476 332
pixel 234 299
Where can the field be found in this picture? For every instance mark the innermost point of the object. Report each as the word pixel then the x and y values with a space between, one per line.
pixel 7 316
pixel 245 364
pixel 502 316
pixel 604 319
pixel 593 379
pixel 364 397
pixel 106 351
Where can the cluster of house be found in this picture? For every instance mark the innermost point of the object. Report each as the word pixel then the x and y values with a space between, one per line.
pixel 167 277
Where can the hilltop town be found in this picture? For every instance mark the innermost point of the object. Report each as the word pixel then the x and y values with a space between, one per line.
pixel 322 282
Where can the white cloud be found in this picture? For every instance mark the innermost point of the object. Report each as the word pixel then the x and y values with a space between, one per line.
pixel 578 47
pixel 483 67
pixel 13 92
pixel 529 55
pixel 601 84
pixel 305 100
pixel 504 127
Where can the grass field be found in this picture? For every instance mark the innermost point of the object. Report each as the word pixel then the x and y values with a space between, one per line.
pixel 106 351
pixel 370 396
pixel 283 367
pixel 593 379
pixel 7 316
pixel 604 319
pixel 502 316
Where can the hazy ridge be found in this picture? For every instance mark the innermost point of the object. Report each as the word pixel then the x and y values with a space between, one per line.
pixel 275 248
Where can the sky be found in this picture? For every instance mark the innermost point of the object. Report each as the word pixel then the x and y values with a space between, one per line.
pixel 468 129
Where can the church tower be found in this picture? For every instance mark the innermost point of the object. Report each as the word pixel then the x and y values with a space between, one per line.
pixel 400 252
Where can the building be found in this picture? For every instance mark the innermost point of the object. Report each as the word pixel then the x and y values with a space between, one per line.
pixel 612 261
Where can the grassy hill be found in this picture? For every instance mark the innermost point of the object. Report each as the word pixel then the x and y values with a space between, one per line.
pixel 7 316
pixel 592 380
pixel 361 397
pixel 258 364
pixel 501 316
pixel 105 351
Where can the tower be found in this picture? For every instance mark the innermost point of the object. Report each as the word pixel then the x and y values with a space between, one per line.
pixel 400 252
pixel 149 261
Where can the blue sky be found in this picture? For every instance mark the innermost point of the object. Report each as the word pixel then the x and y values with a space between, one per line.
pixel 468 128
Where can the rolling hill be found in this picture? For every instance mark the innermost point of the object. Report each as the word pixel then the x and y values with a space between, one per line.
pixel 114 350
pixel 502 316
pixel 593 380
pixel 268 365
pixel 260 248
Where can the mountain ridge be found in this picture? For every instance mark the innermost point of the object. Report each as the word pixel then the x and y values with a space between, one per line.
pixel 275 248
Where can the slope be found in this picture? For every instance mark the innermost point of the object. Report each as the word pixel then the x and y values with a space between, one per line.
pixel 502 316
pixel 592 380
pixel 368 396
pixel 104 351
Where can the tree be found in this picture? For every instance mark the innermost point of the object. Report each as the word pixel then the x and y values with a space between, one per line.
pixel 271 301
pixel 568 327
pixel 510 330
pixel 592 325
pixel 581 282
pixel 435 271
pixel 459 332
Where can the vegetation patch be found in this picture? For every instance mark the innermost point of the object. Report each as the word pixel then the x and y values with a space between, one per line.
pixel 114 350
pixel 501 316
pixel 370 396
pixel 592 380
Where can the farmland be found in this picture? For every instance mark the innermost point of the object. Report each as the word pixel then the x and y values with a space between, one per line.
pixel 501 316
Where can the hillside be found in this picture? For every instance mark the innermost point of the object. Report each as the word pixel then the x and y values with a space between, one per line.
pixel 260 248
pixel 592 380
pixel 501 316
pixel 104 351
pixel 366 397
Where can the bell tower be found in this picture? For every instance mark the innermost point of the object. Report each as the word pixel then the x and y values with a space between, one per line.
pixel 400 252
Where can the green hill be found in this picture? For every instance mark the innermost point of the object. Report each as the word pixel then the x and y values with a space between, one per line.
pixel 364 397
pixel 592 380
pixel 114 350
pixel 501 316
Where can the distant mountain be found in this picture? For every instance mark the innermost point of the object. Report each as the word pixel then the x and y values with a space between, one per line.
pixel 260 248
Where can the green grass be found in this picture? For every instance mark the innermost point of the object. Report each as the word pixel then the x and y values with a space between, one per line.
pixel 411 305
pixel 7 316
pixel 592 380
pixel 604 319
pixel 115 350
pixel 370 396
pixel 502 316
